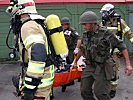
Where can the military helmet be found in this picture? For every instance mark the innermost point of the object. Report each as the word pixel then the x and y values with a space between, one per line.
pixel 88 17
pixel 65 20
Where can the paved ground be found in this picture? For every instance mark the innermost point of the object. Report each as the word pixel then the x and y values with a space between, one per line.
pixel 124 92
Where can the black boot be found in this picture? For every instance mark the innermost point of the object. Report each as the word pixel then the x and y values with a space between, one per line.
pixel 64 88
pixel 52 94
pixel 15 80
pixel 112 93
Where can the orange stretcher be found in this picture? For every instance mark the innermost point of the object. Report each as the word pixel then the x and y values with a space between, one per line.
pixel 67 76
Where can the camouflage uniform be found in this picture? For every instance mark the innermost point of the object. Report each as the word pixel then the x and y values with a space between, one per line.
pixel 96 47
pixel 71 37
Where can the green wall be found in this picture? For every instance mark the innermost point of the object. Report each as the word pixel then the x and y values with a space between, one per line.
pixel 73 11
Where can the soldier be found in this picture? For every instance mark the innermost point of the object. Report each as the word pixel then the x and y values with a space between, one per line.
pixel 113 21
pixel 37 78
pixel 95 47
pixel 71 37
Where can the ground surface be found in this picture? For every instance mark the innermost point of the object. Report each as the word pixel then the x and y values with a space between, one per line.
pixel 124 92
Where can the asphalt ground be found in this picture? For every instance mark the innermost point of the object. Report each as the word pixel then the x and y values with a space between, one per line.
pixel 124 91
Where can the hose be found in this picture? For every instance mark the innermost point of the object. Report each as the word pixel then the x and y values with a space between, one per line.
pixel 7 40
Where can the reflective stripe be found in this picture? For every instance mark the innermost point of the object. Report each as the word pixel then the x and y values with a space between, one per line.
pixel 48 81
pixel 125 30
pixel 11 3
pixel 112 28
pixel 20 83
pixel 29 86
pixel 114 82
pixel 45 82
pixel 31 39
pixel 35 67
pixel 131 40
pixel 116 50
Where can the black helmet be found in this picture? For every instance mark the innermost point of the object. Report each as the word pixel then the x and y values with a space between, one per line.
pixel 88 17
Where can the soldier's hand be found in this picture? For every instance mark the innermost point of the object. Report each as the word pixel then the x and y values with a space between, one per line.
pixel 75 64
pixel 128 70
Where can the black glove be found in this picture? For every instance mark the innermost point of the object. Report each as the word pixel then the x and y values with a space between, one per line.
pixel 30 92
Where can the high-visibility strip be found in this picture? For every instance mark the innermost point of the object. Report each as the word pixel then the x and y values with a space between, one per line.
pixel 48 81
pixel 20 83
pixel 114 82
pixel 30 86
pixel 32 39
pixel 125 30
pixel 116 50
pixel 35 67
pixel 112 28
pixel 11 3
pixel 131 40
pixel 51 73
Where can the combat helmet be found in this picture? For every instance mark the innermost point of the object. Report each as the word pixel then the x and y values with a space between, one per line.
pixel 65 20
pixel 88 17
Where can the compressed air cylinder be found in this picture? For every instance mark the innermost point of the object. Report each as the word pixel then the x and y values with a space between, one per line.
pixel 56 34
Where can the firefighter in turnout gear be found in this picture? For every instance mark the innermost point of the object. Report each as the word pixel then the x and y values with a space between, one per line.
pixel 71 37
pixel 37 74
pixel 95 46
pixel 113 22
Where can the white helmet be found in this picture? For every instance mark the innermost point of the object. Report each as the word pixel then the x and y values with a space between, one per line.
pixel 24 7
pixel 107 7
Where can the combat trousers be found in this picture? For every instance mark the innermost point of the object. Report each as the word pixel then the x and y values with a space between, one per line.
pixel 101 87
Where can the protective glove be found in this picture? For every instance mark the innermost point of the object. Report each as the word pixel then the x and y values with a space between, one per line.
pixel 64 55
pixel 31 84
pixel 76 50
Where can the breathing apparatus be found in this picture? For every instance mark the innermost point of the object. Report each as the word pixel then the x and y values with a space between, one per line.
pixel 15 25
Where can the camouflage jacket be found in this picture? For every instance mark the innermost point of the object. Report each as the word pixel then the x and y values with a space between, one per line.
pixel 96 46
pixel 71 37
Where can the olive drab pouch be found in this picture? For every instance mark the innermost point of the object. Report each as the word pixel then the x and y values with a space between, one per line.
pixel 109 71
pixel 101 50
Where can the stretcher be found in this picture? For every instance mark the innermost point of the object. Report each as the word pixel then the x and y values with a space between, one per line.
pixel 67 76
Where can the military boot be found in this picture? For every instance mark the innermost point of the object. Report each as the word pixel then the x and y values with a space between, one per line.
pixel 112 93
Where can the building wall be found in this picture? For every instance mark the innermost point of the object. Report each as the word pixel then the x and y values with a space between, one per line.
pixel 73 11
pixel 130 46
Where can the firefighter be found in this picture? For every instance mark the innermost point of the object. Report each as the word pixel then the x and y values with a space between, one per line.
pixel 95 47
pixel 113 21
pixel 37 74
pixel 71 37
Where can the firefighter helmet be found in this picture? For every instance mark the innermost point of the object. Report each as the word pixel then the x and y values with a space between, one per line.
pixel 108 10
pixel 24 7
pixel 88 17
